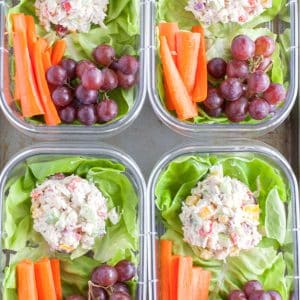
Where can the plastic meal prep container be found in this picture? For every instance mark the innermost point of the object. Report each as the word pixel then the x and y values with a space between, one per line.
pixel 66 131
pixel 233 129
pixel 240 148
pixel 47 152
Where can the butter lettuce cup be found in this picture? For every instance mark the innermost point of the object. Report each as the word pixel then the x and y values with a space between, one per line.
pixel 228 213
pixel 81 207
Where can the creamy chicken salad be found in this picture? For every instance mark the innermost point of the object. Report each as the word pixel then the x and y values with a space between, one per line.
pixel 72 15
pixel 220 217
pixel 70 212
pixel 225 11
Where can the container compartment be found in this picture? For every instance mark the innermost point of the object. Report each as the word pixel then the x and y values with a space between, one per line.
pixel 46 153
pixel 232 129
pixel 64 131
pixel 241 149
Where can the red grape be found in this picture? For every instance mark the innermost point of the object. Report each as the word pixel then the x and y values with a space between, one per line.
pixel 107 110
pixel 126 81
pixel 56 75
pixel 104 54
pixel 120 287
pixel 242 47
pixel 99 293
pixel 86 115
pixel 105 276
pixel 68 114
pixel 258 82
pixel 237 69
pixel 273 108
pixel 258 110
pixel 236 111
pixel 265 46
pixel 86 96
pixel 128 65
pixel 274 295
pixel 251 286
pixel 92 79
pixel 114 65
pixel 120 296
pixel 62 96
pixel 126 270
pixel 231 89
pixel 237 295
pixel 275 93
pixel 213 99
pixel 82 66
pixel 75 297
pixel 217 112
pixel 110 80
pixel 216 67
pixel 69 65
pixel 265 64
pixel 259 295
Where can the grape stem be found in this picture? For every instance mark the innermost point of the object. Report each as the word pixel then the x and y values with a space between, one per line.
pixel 90 291
pixel 255 62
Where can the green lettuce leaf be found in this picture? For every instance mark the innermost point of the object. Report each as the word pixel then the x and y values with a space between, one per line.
pixel 122 32
pixel 275 221
pixel 120 242
pixel 274 277
pixel 271 261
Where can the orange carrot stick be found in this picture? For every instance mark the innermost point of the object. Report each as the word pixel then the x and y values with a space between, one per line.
pixel 168 96
pixel 26 286
pixel 187 45
pixel 204 284
pixel 58 52
pixel 174 277
pixel 200 89
pixel 184 288
pixel 30 102
pixel 183 104
pixel 196 279
pixel 51 115
pixel 50 50
pixel 55 267
pixel 165 259
pixel 44 44
pixel 46 60
pixel 30 31
pixel 169 29
pixel 17 93
pixel 44 280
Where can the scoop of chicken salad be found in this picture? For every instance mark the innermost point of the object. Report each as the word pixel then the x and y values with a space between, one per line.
pixel 73 15
pixel 221 216
pixel 70 212
pixel 225 11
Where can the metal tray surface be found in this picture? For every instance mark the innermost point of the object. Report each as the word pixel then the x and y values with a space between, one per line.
pixel 230 130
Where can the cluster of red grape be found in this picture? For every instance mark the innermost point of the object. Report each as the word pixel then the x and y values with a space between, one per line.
pixel 253 290
pixel 109 283
pixel 76 87
pixel 245 85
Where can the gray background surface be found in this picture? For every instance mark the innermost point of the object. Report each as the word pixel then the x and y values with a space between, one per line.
pixel 147 139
